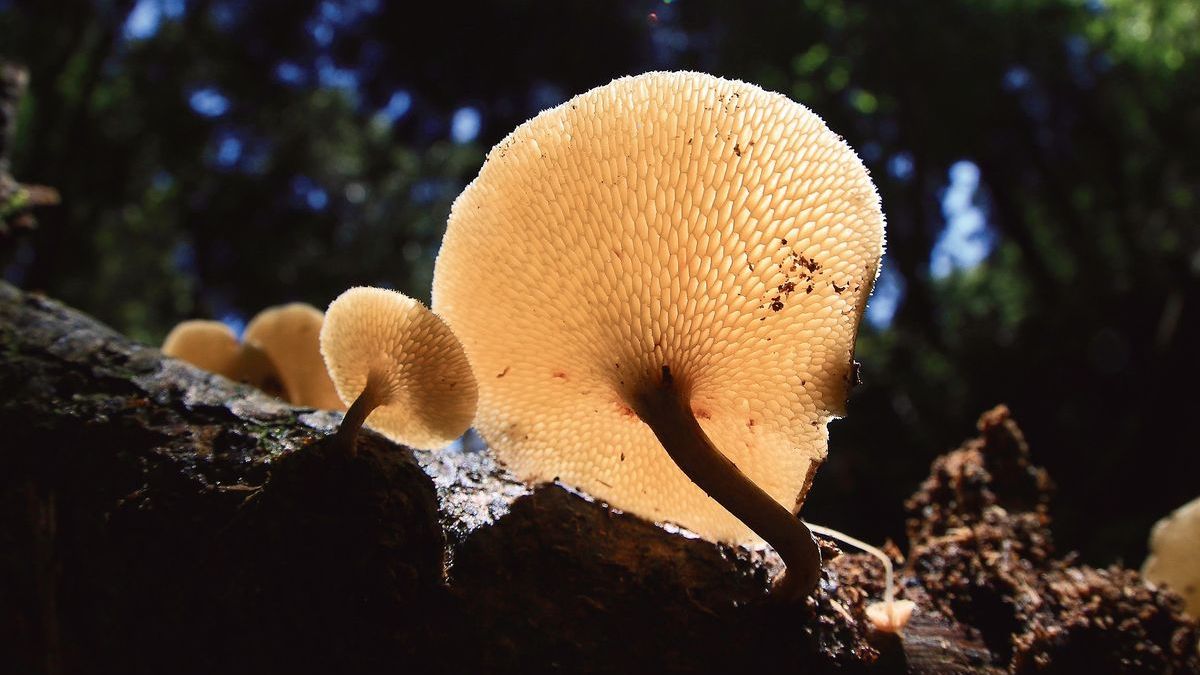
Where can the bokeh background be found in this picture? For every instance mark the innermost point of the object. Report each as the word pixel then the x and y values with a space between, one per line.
pixel 1039 162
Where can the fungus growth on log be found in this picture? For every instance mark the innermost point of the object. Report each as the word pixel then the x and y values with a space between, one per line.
pixel 212 346
pixel 279 353
pixel 670 261
pixel 399 368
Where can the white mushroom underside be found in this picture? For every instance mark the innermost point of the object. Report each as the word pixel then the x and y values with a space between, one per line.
pixel 667 219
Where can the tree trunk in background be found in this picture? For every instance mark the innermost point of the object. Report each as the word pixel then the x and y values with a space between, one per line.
pixel 159 519
pixel 16 200
pixel 13 80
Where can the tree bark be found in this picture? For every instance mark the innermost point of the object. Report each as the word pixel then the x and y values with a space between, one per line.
pixel 160 519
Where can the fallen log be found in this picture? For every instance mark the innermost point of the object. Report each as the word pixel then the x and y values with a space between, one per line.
pixel 160 519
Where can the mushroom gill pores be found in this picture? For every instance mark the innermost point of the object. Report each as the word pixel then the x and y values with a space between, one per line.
pixel 398 367
pixel 666 251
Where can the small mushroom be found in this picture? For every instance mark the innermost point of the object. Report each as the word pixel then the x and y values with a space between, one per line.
pixel 399 368
pixel 208 345
pixel 290 337
pixel 890 615
pixel 658 284
pixel 213 347
pixel 1174 559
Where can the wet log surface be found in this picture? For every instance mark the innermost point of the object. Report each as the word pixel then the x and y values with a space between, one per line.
pixel 159 519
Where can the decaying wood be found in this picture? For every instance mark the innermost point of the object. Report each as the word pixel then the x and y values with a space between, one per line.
pixel 159 519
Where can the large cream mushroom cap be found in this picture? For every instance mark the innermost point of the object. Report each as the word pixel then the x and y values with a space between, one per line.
pixel 668 219
pixel 290 337
pixel 425 394
pixel 209 345
pixel 1174 559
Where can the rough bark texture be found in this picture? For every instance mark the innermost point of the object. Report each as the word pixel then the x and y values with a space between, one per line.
pixel 159 519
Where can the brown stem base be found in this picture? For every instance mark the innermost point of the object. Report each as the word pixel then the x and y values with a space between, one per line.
pixel 665 410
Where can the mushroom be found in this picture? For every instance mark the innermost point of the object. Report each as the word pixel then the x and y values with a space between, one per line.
pixel 213 347
pixel 290 336
pixel 208 345
pixel 399 368
pixel 1174 550
pixel 658 284
pixel 891 615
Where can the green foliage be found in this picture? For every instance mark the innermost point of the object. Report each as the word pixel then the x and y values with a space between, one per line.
pixel 156 228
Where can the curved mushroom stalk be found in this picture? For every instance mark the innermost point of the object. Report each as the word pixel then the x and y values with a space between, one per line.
pixel 372 396
pixel 666 410
pixel 891 615
pixel 400 369
pixel 678 219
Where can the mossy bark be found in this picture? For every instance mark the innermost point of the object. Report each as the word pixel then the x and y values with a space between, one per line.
pixel 159 519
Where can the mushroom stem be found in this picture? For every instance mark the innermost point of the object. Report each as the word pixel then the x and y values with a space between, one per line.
pixel 891 615
pixel 889 585
pixel 347 434
pixel 670 417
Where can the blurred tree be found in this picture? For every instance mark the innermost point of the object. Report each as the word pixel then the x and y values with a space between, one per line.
pixel 1036 161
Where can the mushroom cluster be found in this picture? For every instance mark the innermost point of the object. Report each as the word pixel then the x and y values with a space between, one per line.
pixel 399 368
pixel 279 354
pixel 213 347
pixel 658 285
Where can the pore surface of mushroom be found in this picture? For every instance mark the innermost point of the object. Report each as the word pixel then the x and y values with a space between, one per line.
pixel 290 336
pixel 398 367
pixel 1174 559
pixel 667 250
